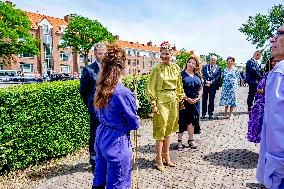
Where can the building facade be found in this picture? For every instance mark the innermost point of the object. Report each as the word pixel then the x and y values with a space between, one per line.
pixel 140 57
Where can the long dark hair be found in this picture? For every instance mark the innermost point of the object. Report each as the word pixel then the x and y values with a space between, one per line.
pixel 112 67
pixel 268 66
pixel 197 69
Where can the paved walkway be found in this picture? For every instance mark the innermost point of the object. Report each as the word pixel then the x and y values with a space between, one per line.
pixel 225 158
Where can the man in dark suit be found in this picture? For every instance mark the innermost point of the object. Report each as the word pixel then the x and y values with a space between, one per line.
pixel 87 91
pixel 253 76
pixel 211 77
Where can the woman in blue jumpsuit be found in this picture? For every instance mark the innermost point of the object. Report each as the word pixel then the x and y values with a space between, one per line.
pixel 115 107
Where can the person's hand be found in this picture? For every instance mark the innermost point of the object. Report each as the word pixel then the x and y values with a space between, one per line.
pixel 154 109
pixel 191 101
pixel 207 84
pixel 259 91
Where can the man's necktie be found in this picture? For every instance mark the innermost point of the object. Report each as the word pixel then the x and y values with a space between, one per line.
pixel 211 70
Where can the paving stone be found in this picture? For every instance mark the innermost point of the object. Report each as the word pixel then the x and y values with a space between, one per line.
pixel 224 159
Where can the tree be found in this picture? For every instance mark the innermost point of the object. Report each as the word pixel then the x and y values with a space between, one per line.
pixel 82 33
pixel 14 34
pixel 182 57
pixel 260 29
pixel 220 61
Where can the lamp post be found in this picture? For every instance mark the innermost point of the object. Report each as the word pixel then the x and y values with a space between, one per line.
pixel 135 153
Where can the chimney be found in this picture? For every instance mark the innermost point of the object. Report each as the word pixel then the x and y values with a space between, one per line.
pixel 174 47
pixel 149 43
pixel 69 17
pixel 191 52
pixel 9 2
pixel 116 37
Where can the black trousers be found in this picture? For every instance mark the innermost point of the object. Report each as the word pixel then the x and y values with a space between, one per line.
pixel 208 92
pixel 251 95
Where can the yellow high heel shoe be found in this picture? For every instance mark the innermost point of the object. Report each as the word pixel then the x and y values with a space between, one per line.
pixel 160 165
pixel 168 162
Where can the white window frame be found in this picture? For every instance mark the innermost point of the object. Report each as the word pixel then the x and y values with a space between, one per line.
pixel 27 70
pixel 64 56
pixel 46 29
pixel 62 66
pixel 29 55
pixel 62 28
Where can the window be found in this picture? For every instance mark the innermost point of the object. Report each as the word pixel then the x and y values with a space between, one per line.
pixel 1 66
pixel 134 62
pixel 138 53
pixel 144 64
pixel 64 56
pixel 26 67
pixel 62 28
pixel 26 55
pixel 137 62
pixel 47 39
pixel 129 62
pixel 129 52
pixel 65 69
pixel 46 29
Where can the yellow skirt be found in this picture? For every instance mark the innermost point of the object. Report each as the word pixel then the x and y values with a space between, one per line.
pixel 166 120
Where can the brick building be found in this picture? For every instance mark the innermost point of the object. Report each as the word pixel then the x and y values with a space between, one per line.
pixel 140 57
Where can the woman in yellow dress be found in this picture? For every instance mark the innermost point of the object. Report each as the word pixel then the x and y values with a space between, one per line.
pixel 164 89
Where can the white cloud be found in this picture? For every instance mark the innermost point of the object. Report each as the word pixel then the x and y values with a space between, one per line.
pixel 201 25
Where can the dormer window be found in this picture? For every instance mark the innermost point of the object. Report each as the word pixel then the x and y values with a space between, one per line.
pixel 62 28
pixel 46 30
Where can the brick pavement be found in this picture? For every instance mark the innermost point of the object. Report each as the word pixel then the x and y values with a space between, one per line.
pixel 225 159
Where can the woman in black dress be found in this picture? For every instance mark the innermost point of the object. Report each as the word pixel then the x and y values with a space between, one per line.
pixel 189 117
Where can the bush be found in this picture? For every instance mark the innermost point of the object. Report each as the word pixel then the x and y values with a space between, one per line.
pixel 144 104
pixel 44 121
pixel 40 122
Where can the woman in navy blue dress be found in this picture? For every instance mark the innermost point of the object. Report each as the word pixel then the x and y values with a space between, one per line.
pixel 189 117
pixel 115 107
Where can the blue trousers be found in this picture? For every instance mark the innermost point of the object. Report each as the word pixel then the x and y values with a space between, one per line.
pixel 208 92
pixel 113 159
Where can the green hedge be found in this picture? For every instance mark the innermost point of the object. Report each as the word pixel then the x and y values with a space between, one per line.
pixel 144 104
pixel 43 121
pixel 40 122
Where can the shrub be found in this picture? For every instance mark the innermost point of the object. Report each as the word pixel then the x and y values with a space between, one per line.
pixel 43 121
pixel 40 122
pixel 144 104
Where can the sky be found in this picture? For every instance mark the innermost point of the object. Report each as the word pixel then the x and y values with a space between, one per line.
pixel 204 26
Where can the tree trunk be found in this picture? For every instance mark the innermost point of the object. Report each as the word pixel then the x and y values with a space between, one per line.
pixel 86 58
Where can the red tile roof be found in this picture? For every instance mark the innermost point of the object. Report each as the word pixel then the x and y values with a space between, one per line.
pixel 132 45
pixel 37 18
pixel 145 47
pixel 57 22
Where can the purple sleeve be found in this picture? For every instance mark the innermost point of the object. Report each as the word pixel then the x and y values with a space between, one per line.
pixel 261 84
pixel 274 166
pixel 129 109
